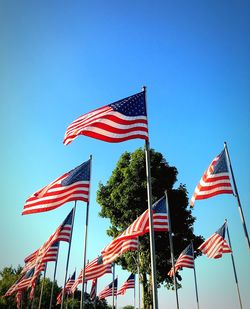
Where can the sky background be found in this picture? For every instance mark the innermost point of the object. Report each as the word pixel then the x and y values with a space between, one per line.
pixel 61 59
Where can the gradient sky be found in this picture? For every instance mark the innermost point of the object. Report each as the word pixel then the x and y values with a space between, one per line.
pixel 61 59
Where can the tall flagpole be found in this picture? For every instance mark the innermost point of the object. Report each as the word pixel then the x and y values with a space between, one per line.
pixel 113 287
pixel 171 249
pixel 150 212
pixel 237 196
pixel 134 294
pixel 69 249
pixel 41 292
pixel 234 268
pixel 82 305
pixel 195 280
pixel 54 278
pixel 138 270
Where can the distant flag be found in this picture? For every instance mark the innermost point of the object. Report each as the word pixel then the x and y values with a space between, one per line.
pixel 128 284
pixel 215 180
pixel 71 186
pixel 93 270
pixel 186 259
pixel 19 299
pixel 93 289
pixel 216 244
pixel 69 283
pixel 66 289
pixel 48 250
pixel 117 122
pixel 108 290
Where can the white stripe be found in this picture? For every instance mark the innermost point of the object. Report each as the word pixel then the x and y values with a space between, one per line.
pixel 200 193
pixel 49 205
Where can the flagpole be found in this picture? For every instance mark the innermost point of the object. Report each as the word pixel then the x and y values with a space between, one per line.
pixel 237 196
pixel 116 294
pixel 134 295
pixel 113 286
pixel 95 295
pixel 138 270
pixel 82 305
pixel 195 280
pixel 69 249
pixel 234 268
pixel 171 248
pixel 150 212
pixel 54 278
pixel 41 292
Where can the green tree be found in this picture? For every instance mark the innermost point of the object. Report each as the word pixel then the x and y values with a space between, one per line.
pixel 124 198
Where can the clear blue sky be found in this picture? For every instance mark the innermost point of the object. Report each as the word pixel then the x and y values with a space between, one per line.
pixel 60 59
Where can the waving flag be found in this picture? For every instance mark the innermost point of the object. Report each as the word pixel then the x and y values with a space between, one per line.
pixel 109 291
pixel 117 122
pixel 216 245
pixel 19 299
pixel 62 233
pixel 72 186
pixel 93 289
pixel 128 284
pixel 186 259
pixel 128 241
pixel 215 180
pixel 93 270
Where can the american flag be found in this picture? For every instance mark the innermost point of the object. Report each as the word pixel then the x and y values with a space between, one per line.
pixel 51 256
pixel 19 299
pixel 117 122
pixel 93 270
pixel 70 283
pixel 128 239
pixel 109 290
pixel 216 244
pixel 66 289
pixel 72 186
pixel 93 289
pixel 186 259
pixel 46 251
pixel 116 248
pixel 215 180
pixel 128 284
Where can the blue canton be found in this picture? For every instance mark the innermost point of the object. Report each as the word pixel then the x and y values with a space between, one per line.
pixel 81 172
pixel 99 260
pixel 188 251
pixel 68 220
pixel 221 165
pixel 221 231
pixel 160 206
pixel 131 106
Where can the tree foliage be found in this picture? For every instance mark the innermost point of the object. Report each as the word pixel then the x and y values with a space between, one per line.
pixel 9 275
pixel 124 198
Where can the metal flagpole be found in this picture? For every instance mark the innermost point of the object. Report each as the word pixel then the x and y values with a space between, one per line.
pixel 95 295
pixel 237 196
pixel 138 270
pixel 67 264
pixel 134 295
pixel 54 279
pixel 151 230
pixel 82 305
pixel 171 249
pixel 41 292
pixel 113 296
pixel 73 297
pixel 235 274
pixel 116 295
pixel 195 280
